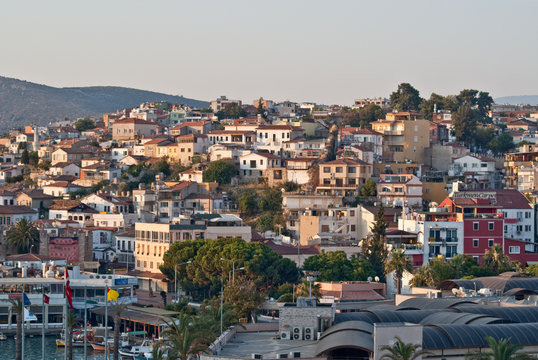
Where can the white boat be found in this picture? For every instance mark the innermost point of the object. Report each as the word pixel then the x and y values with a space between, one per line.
pixel 137 350
pixel 3 336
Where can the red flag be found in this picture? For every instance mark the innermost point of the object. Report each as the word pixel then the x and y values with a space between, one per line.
pixel 68 290
pixel 46 299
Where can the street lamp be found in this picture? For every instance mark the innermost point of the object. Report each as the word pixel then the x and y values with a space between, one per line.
pixel 233 267
pixel 31 247
pixel 231 272
pixel 175 276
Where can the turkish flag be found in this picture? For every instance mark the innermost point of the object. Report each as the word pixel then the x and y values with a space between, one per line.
pixel 46 299
pixel 68 290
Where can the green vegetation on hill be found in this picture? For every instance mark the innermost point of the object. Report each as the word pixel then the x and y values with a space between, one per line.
pixel 23 102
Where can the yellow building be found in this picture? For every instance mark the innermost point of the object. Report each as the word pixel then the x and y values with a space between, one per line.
pixel 405 136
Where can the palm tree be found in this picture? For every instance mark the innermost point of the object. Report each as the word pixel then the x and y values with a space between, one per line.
pixel 117 310
pixel 500 350
pixel 303 289
pixel 157 353
pixel 17 306
pixel 399 263
pixel 186 337
pixel 22 235
pixel 402 351
pixel 72 321
pixel 496 259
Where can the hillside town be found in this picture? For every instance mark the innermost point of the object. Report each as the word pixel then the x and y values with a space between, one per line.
pixel 329 226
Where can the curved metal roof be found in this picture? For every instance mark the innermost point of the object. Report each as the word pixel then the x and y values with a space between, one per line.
pixel 349 334
pixel 425 303
pixel 450 317
pixel 509 314
pixel 502 282
pixel 470 336
pixel 467 284
pixel 379 316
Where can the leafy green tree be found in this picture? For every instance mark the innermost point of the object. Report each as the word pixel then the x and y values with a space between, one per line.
pixel 532 270
pixel 405 98
pixel 290 186
pixel 502 143
pixel 369 188
pixel 248 203
pixel 203 275
pixel 402 351
pixel 162 166
pixel 428 106
pixel 33 158
pixel 332 265
pixel 374 249
pixel 464 124
pixel 468 97
pixel 398 262
pixel 499 350
pixel 362 117
pixel 483 136
pixel 231 111
pixel 22 235
pixel 244 295
pixel 220 171
pixel 484 102
pixel 271 200
pixel 265 222
pixel 362 268
pixel 25 158
pixel 84 124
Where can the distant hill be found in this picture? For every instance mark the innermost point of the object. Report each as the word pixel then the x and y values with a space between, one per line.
pixel 23 102
pixel 517 100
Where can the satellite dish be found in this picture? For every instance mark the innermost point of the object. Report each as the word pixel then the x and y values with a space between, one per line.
pixel 376 279
pixel 370 279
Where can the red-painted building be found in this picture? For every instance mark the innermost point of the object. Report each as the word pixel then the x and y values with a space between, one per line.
pixel 481 232
pixel 485 217
pixel 65 248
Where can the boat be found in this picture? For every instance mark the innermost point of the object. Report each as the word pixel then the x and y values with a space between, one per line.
pixel 137 351
pixel 78 339
pixel 98 343
pixel 3 336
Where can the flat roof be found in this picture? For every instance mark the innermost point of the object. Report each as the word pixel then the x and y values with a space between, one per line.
pixel 244 344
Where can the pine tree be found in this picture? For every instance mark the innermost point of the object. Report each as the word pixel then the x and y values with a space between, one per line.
pixel 25 157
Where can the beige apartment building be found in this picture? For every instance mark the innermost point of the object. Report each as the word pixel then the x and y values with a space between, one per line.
pixel 130 129
pixel 152 240
pixel 405 136
pixel 343 177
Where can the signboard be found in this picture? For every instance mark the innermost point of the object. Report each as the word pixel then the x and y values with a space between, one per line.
pixel 475 195
pixel 14 296
pixel 126 281
pixel 120 271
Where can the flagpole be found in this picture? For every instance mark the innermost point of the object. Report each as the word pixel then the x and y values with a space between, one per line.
pixel 65 327
pixel 106 321
pixel 85 324
pixel 23 322
pixel 43 322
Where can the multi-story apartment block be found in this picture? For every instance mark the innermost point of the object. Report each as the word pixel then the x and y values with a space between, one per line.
pixel 343 177
pixel 245 138
pixel 131 129
pixel 221 102
pixel 513 163
pixel 294 206
pixel 380 101
pixel 405 136
pixel 357 135
pixel 479 172
pixel 400 190
pixel 334 226
pixel 272 137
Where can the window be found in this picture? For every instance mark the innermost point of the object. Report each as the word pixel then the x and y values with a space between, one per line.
pixel 352 227
pixel 491 226
pixel 505 228
pixel 339 169
pixel 475 226
pixel 324 228
pixel 326 169
pixel 490 242
pixel 351 170
pixel 352 213
pixel 415 139
pixel 475 243
pixel 513 250
pixel 451 251
pixel 519 228
pixel 527 214
pixel 527 228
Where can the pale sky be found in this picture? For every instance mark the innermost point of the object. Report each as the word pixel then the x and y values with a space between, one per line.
pixel 323 51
